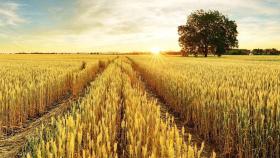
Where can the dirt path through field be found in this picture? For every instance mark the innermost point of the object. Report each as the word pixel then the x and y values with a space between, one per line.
pixel 11 145
pixel 165 108
pixel 121 136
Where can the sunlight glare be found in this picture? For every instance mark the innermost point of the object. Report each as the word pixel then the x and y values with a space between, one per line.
pixel 155 50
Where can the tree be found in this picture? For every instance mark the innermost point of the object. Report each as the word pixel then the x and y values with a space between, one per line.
pixel 272 51
pixel 257 51
pixel 207 32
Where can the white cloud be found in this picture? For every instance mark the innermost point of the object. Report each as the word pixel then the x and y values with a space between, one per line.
pixel 108 22
pixel 124 25
pixel 9 14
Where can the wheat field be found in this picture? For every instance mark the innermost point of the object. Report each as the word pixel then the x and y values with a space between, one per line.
pixel 232 102
pixel 114 106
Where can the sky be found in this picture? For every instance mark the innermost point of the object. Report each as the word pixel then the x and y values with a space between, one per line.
pixel 125 25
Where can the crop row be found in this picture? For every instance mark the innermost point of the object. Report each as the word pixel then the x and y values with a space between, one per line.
pixel 28 89
pixel 235 106
pixel 114 119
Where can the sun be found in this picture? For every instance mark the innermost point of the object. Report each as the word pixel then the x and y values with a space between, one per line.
pixel 155 50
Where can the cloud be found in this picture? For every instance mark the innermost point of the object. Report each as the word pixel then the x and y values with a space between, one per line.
pixel 109 22
pixel 9 14
pixel 259 32
pixel 149 16
pixel 140 24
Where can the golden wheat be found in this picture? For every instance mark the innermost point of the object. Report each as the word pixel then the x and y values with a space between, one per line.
pixel 29 88
pixel 232 103
pixel 91 128
pixel 147 134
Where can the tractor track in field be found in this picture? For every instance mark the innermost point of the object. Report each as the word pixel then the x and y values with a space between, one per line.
pixel 11 145
pixel 121 136
pixel 165 108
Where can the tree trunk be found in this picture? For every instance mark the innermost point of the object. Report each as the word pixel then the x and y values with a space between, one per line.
pixel 184 53
pixel 205 51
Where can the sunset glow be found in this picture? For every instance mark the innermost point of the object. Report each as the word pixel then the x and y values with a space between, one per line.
pixel 155 50
pixel 125 25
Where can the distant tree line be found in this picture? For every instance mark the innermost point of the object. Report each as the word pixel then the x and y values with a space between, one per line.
pixel 238 52
pixel 272 51
pixel 93 53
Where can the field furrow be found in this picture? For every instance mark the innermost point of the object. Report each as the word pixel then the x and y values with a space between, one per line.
pixel 139 107
pixel 115 119
pixel 89 129
pixel 147 133
pixel 234 106
pixel 12 144
pixel 165 110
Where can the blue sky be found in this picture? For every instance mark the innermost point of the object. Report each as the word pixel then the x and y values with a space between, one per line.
pixel 125 25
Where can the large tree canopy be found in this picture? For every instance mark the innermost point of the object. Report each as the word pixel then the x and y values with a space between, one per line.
pixel 207 32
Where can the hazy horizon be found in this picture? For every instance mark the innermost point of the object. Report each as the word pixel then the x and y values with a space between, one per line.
pixel 125 25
